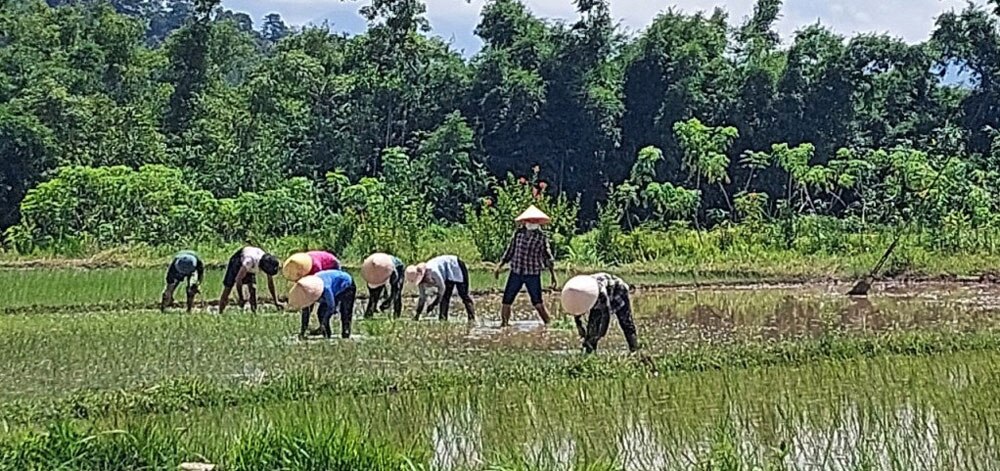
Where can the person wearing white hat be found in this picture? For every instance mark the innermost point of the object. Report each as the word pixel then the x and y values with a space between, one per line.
pixel 444 274
pixel 186 265
pixel 598 296
pixel 334 290
pixel 378 271
pixel 529 253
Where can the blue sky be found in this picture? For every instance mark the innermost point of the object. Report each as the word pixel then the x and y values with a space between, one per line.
pixel 455 20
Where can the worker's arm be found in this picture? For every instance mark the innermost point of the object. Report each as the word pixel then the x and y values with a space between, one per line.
pixel 274 293
pixel 421 300
pixel 580 327
pixel 550 260
pixel 508 254
pixel 439 287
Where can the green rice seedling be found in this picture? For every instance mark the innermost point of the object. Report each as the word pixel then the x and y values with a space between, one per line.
pixel 884 413
pixel 769 378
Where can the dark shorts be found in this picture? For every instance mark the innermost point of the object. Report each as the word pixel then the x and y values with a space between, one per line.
pixel 514 283
pixel 233 269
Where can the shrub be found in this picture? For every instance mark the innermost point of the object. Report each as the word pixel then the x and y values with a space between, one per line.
pixel 493 223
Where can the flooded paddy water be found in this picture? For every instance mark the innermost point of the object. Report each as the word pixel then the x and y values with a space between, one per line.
pixel 879 412
pixel 902 413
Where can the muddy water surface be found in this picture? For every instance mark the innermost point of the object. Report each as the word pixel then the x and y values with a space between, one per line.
pixel 669 316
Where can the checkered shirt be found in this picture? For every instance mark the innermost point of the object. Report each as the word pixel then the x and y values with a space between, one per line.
pixel 614 293
pixel 528 253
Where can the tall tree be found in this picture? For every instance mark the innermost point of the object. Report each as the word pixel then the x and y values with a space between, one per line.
pixel 970 39
pixel 188 51
pixel 274 28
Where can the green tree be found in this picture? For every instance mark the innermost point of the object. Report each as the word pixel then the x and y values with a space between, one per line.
pixel 704 153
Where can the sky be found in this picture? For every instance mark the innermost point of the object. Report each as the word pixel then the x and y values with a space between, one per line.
pixel 455 20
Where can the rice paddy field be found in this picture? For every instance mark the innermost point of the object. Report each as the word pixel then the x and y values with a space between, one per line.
pixel 793 376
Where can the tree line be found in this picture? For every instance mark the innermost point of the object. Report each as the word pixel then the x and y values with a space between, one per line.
pixel 691 119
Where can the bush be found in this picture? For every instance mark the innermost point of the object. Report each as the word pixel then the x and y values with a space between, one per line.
pixel 114 206
pixel 493 223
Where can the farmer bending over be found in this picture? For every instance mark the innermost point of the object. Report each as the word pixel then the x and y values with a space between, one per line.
pixel 528 254
pixel 242 270
pixel 334 290
pixel 444 274
pixel 308 263
pixel 379 270
pixel 599 295
pixel 185 266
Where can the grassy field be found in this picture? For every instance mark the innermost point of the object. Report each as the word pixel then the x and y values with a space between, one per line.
pixel 777 377
pixel 137 288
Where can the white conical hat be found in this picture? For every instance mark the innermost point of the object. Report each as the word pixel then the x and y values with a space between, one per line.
pixel 305 292
pixel 377 269
pixel 297 266
pixel 415 273
pixel 579 294
pixel 534 215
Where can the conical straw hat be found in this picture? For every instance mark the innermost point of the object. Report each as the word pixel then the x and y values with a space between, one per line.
pixel 305 292
pixel 297 266
pixel 415 273
pixel 533 215
pixel 377 269
pixel 579 294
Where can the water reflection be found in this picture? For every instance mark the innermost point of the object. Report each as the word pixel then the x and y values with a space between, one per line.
pixel 848 437
pixel 666 318
pixel 457 439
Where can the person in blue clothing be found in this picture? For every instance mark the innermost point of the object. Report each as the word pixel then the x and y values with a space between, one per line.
pixel 378 271
pixel 186 265
pixel 333 291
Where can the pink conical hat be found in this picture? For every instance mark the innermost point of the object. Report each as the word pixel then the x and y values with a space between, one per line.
pixel 377 269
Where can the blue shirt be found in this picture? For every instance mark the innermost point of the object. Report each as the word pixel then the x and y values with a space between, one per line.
pixel 334 283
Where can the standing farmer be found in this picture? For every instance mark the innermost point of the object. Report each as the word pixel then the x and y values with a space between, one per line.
pixel 444 274
pixel 379 270
pixel 334 290
pixel 242 270
pixel 528 254
pixel 308 263
pixel 599 296
pixel 185 266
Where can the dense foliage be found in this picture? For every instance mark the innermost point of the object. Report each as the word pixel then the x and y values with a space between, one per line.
pixel 177 121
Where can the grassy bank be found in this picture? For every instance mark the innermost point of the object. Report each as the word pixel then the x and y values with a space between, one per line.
pixel 741 251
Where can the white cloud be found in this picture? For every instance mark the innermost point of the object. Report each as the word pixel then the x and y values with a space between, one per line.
pixel 911 20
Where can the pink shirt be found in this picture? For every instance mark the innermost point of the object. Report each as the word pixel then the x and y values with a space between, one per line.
pixel 322 261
